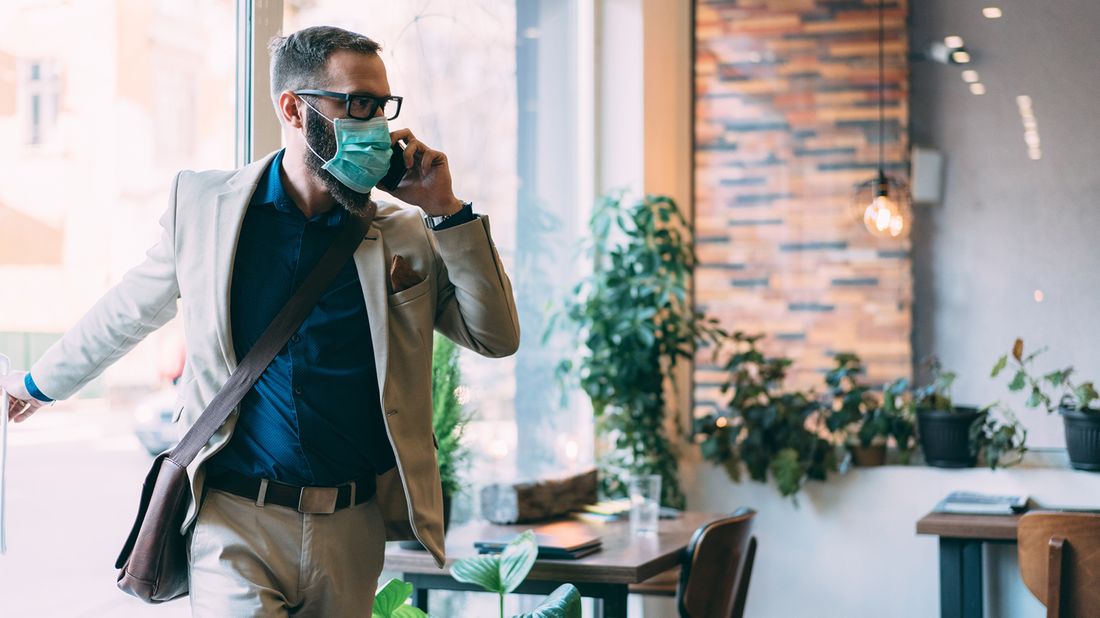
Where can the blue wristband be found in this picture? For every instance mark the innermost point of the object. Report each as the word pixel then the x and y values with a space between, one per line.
pixel 32 388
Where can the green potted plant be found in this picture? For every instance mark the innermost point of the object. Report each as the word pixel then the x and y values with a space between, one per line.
pixel 1001 444
pixel 634 321
pixel 449 421
pixel 855 416
pixel 765 429
pixel 890 419
pixel 945 429
pixel 1076 401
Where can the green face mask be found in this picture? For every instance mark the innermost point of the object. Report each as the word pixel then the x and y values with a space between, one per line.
pixel 362 151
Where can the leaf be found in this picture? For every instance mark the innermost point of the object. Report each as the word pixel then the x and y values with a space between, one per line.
pixel 1034 399
pixel 1085 395
pixel 1019 381
pixel 389 601
pixel 564 602
pixel 1001 363
pixel 482 571
pixel 517 559
pixel 1018 349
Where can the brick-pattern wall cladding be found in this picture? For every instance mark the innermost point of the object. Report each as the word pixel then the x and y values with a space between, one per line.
pixel 786 125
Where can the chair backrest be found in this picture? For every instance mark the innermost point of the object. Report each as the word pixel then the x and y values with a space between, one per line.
pixel 716 566
pixel 1060 561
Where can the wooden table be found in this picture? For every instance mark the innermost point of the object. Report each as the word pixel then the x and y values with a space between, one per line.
pixel 625 559
pixel 961 540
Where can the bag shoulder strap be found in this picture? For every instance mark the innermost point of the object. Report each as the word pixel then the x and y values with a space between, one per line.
pixel 274 337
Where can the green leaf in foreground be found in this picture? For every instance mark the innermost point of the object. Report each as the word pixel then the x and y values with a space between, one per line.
pixel 564 602
pixel 389 601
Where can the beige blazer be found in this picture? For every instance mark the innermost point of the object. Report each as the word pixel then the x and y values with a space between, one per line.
pixel 465 295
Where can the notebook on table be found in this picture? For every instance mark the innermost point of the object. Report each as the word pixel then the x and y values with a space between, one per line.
pixel 564 540
pixel 982 504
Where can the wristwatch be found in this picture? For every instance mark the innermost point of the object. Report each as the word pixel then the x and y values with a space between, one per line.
pixel 437 220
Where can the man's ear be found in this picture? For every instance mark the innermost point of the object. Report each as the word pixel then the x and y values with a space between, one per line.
pixel 291 112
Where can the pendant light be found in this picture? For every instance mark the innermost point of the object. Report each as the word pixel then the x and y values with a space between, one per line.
pixel 882 203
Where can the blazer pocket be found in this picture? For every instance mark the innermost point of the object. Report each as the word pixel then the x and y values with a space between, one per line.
pixel 409 294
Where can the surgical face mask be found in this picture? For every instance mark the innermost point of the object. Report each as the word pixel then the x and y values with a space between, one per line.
pixel 363 152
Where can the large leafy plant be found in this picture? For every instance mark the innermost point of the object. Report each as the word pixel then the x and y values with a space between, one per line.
pixel 764 428
pixel 449 420
pixel 634 320
pixel 500 573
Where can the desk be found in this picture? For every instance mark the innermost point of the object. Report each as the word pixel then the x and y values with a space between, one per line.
pixel 961 540
pixel 625 559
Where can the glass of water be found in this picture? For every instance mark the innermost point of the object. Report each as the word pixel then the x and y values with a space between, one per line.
pixel 645 503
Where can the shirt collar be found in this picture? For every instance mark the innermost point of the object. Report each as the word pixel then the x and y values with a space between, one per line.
pixel 271 191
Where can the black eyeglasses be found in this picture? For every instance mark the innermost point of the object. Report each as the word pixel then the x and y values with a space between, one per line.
pixel 361 106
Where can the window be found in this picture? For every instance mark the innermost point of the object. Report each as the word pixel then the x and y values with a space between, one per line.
pixel 106 102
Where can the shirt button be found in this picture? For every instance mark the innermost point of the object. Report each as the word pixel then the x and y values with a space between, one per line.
pixel 295 338
pixel 298 390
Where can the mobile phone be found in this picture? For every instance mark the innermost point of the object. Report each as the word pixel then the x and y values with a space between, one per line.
pixel 397 171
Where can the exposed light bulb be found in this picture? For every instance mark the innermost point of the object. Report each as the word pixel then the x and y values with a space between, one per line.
pixel 992 12
pixel 960 56
pixel 897 224
pixel 970 76
pixel 978 88
pixel 953 41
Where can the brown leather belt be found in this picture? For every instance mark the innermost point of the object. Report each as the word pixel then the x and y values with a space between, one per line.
pixel 302 499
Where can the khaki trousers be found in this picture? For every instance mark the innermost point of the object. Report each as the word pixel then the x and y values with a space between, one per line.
pixel 248 560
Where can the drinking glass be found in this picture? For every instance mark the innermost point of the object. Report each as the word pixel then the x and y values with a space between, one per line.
pixel 645 503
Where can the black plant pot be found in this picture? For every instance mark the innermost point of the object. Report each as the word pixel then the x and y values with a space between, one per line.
pixel 945 436
pixel 1082 439
pixel 414 544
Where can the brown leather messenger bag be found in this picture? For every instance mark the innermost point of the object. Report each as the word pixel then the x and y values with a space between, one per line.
pixel 153 562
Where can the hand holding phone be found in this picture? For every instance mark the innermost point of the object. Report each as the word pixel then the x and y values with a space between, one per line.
pixel 397 171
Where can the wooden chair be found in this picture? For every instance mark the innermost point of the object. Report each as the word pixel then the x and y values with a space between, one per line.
pixel 1060 561
pixel 714 577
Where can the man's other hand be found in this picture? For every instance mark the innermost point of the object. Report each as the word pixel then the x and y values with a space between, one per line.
pixel 20 403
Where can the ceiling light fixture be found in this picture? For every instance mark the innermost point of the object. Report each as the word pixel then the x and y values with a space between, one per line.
pixel 960 56
pixel 970 76
pixel 882 203
pixel 953 41
pixel 977 88
pixel 992 12
pixel 1031 127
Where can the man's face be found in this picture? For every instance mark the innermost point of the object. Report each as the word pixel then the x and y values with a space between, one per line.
pixel 348 72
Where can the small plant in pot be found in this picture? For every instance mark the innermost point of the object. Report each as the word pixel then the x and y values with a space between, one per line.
pixel 848 402
pixel 892 419
pixel 449 421
pixel 945 430
pixel 1076 401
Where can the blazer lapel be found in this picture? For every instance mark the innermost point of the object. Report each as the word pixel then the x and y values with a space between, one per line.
pixel 232 206
pixel 370 262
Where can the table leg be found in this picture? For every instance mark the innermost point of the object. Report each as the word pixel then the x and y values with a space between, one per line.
pixel 960 578
pixel 419 593
pixel 614 601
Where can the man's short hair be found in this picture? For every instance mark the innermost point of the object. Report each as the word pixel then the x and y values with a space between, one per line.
pixel 298 61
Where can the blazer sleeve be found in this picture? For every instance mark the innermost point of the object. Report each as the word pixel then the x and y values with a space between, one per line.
pixel 474 303
pixel 142 302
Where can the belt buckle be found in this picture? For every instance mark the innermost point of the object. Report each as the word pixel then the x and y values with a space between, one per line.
pixel 318 500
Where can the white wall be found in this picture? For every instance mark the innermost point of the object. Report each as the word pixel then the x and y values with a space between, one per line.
pixel 850 548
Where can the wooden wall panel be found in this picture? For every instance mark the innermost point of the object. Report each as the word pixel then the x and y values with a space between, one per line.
pixel 786 124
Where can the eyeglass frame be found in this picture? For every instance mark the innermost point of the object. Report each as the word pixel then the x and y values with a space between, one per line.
pixel 377 102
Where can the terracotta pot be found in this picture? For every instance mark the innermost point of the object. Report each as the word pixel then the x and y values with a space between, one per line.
pixel 945 436
pixel 866 456
pixel 1082 438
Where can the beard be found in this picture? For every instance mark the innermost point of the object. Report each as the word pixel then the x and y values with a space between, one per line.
pixel 320 136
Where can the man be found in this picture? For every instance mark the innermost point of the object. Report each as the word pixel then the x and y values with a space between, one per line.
pixel 347 402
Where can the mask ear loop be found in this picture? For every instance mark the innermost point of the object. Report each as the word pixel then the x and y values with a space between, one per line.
pixel 306 139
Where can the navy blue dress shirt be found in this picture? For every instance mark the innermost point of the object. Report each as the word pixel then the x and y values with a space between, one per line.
pixel 314 417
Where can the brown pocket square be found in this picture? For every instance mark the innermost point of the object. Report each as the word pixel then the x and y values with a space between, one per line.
pixel 402 275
